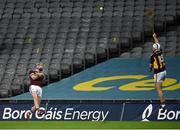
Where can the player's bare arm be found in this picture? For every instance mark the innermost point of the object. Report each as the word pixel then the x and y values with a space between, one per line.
pixel 155 38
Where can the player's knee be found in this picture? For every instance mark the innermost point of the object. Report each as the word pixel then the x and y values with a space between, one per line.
pixel 160 92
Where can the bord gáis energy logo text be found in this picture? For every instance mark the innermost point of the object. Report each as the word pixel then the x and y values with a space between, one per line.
pixel 54 113
pixel 169 114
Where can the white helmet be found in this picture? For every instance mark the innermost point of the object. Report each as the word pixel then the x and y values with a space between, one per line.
pixel 156 46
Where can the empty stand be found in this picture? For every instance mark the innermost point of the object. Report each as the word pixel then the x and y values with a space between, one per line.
pixel 68 36
pixel 169 42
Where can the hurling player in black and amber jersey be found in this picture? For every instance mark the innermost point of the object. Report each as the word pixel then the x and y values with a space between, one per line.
pixel 158 64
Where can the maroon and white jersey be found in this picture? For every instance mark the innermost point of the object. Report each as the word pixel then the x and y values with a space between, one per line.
pixel 38 82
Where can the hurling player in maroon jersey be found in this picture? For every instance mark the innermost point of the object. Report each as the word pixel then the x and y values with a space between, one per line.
pixel 36 77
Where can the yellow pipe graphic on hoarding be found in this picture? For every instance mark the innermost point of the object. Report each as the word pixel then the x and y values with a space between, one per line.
pixel 145 85
pixel 142 85
pixel 88 85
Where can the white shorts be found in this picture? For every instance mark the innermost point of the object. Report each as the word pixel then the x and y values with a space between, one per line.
pixel 160 77
pixel 37 89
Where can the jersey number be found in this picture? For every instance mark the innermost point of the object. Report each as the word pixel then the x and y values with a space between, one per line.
pixel 161 60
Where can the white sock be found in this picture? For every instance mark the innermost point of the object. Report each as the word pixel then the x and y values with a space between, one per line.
pixel 163 105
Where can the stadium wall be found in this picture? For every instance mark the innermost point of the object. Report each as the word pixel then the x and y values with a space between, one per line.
pixel 92 111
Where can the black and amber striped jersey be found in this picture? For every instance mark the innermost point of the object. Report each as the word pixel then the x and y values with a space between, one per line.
pixel 157 62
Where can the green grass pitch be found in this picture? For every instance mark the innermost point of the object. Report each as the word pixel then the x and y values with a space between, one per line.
pixel 87 125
